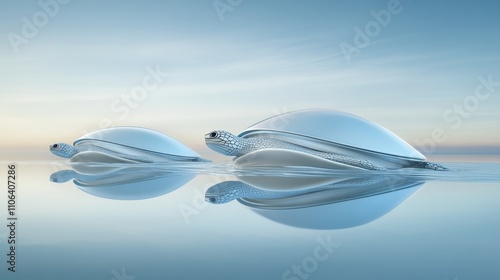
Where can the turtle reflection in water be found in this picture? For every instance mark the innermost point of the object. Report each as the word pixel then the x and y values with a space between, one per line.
pixel 344 204
pixel 124 183
pixel 227 191
pixel 335 136
pixel 125 145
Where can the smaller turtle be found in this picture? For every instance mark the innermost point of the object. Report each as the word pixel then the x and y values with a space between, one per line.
pixel 67 151
pixel 124 145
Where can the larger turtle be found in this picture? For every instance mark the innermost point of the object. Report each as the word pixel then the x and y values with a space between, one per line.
pixel 124 145
pixel 338 137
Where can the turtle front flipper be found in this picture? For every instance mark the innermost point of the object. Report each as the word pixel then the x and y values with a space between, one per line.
pixel 430 165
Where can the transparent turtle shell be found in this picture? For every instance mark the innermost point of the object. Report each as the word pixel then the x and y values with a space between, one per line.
pixel 336 132
pixel 137 141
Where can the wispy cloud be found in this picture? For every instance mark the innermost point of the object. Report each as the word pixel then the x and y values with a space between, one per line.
pixel 250 66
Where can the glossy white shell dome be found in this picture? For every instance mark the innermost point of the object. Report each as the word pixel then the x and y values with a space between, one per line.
pixel 333 131
pixel 139 138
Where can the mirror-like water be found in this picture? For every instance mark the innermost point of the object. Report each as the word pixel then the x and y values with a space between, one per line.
pixel 123 222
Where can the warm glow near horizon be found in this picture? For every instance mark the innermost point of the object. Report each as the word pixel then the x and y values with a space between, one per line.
pixel 135 69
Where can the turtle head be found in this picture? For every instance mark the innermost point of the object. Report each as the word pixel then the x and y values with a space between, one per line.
pixel 62 176
pixel 63 150
pixel 223 142
pixel 223 192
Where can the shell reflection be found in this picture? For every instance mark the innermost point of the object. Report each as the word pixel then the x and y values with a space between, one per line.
pixel 341 203
pixel 130 182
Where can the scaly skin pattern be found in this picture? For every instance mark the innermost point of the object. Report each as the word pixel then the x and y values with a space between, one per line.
pixel 68 151
pixel 228 191
pixel 229 144
pixel 242 146
pixel 430 165
pixel 263 143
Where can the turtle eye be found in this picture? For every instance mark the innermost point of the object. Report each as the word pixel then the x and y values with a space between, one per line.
pixel 55 146
pixel 213 134
pixel 213 199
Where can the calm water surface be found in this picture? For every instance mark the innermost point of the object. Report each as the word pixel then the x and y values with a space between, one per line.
pixel 445 227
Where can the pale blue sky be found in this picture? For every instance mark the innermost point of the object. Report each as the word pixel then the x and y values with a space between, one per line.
pixel 263 58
